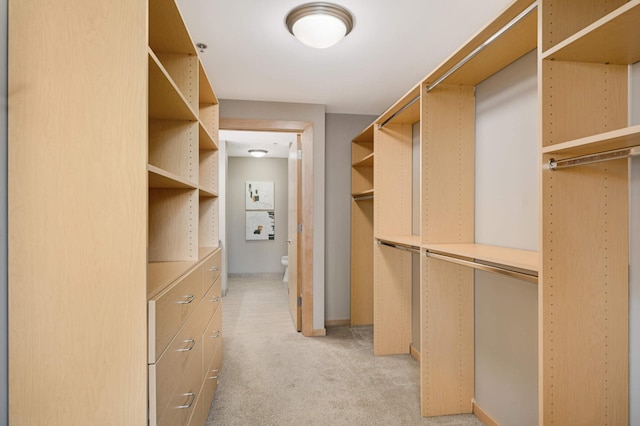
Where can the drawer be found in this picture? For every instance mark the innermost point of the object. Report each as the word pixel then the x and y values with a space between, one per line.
pixel 200 413
pixel 214 296
pixel 170 309
pixel 182 402
pixel 184 349
pixel 211 380
pixel 211 270
pixel 212 338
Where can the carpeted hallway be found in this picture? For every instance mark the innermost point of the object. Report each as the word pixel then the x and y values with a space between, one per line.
pixel 272 375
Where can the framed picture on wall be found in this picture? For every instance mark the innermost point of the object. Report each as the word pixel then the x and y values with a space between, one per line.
pixel 259 196
pixel 260 225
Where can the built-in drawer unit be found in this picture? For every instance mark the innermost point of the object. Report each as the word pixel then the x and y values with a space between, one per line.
pixel 170 309
pixel 185 335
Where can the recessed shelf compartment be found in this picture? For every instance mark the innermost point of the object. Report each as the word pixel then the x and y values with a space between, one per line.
pixel 159 178
pixel 364 162
pixel 173 224
pixel 615 139
pixel 205 138
pixel 613 39
pixel 512 35
pixel 208 232
pixel 165 99
pixel 167 30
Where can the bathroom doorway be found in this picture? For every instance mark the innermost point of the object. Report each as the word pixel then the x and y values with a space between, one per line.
pixel 299 230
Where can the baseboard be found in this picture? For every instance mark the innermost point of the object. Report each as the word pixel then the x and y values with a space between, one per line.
pixel 319 332
pixel 414 353
pixel 483 416
pixel 336 323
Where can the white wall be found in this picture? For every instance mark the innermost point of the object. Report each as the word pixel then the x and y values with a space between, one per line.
pixel 507 214
pixel 254 110
pixel 340 131
pixel 253 257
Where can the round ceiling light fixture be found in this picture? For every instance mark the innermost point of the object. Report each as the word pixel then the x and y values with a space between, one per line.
pixel 319 24
pixel 258 152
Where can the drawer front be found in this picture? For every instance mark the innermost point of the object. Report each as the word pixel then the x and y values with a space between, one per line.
pixel 201 412
pixel 211 270
pixel 170 309
pixel 211 380
pixel 212 338
pixel 180 353
pixel 213 298
pixel 182 402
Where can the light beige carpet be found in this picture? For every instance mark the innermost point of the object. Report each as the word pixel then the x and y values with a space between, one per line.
pixel 272 375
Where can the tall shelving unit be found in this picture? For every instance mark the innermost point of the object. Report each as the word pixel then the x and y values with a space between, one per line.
pixel 184 259
pixel 451 254
pixel 119 206
pixel 586 48
pixel 394 240
pixel 362 201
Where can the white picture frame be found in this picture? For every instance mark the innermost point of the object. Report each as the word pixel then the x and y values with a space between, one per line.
pixel 260 225
pixel 259 196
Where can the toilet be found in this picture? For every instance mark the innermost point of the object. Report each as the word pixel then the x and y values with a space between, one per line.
pixel 285 263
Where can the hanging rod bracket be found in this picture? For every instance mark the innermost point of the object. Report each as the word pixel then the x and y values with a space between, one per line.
pixel 594 158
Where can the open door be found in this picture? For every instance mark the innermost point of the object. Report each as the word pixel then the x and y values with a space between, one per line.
pixel 295 200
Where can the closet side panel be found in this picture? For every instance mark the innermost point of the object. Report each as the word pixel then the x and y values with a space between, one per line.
pixel 585 295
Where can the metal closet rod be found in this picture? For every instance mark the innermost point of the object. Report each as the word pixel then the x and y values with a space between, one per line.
pixel 412 249
pixel 484 267
pixel 483 46
pixel 363 197
pixel 594 158
pixel 395 114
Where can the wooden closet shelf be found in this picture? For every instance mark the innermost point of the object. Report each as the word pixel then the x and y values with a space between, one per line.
pixel 166 101
pixel 207 192
pixel 366 137
pixel 404 111
pixel 364 162
pixel 409 241
pixel 206 140
pixel 499 44
pixel 167 30
pixel 159 178
pixel 613 39
pixel 520 263
pixel 615 139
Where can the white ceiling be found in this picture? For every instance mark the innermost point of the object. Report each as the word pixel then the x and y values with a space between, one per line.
pixel 394 45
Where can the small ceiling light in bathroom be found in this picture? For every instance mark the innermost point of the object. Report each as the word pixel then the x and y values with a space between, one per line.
pixel 319 24
pixel 258 152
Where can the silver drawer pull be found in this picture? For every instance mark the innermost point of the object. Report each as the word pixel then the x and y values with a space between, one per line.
pixel 215 334
pixel 192 397
pixel 191 342
pixel 187 299
pixel 215 299
pixel 216 374
pixel 214 268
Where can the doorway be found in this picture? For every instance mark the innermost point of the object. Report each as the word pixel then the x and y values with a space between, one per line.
pixel 300 234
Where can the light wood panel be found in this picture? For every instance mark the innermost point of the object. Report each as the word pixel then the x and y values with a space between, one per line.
pixel 392 301
pixel 183 70
pixel 209 170
pixel 584 299
pixel 173 225
pixel 361 260
pixel 447 345
pixel 173 146
pixel 77 213
pixel 208 222
pixel 582 99
pixel 393 179
pixel 167 30
pixel 206 93
pixel 448 120
pixel 401 112
pixel 159 178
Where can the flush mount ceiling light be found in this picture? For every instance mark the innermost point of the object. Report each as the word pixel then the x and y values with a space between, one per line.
pixel 319 24
pixel 258 152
